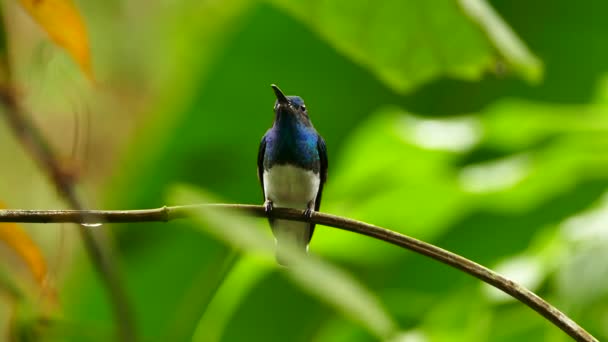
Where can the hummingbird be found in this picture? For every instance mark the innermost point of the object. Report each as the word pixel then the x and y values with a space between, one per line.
pixel 292 169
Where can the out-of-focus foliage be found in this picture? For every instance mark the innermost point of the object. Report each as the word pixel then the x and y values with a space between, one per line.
pixel 432 126
pixel 315 276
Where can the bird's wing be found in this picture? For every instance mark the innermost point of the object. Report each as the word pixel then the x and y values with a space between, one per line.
pixel 323 158
pixel 261 152
pixel 322 150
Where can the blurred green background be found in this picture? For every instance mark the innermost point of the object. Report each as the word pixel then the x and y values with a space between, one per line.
pixel 481 127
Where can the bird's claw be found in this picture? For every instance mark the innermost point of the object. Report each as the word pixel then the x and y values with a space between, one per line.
pixel 268 206
pixel 308 213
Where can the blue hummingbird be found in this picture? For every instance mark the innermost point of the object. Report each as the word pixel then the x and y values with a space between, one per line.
pixel 292 168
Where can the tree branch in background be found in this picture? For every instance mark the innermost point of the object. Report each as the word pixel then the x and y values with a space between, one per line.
pixel 37 146
pixel 456 261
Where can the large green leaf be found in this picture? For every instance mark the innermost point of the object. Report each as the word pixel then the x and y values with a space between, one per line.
pixel 409 42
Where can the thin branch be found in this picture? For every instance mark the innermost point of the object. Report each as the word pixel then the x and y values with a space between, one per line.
pixel 165 214
pixel 36 145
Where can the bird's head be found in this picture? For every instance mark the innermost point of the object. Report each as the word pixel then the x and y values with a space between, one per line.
pixel 290 106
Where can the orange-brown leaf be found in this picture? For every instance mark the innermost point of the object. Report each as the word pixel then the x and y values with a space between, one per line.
pixel 61 20
pixel 17 239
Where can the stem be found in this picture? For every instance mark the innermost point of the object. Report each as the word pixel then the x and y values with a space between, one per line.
pixel 456 261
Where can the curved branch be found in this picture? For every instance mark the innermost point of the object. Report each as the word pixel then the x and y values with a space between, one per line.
pixel 454 260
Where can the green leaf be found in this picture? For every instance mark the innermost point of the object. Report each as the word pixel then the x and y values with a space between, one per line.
pixel 409 42
pixel 548 149
pixel 319 278
pixel 241 280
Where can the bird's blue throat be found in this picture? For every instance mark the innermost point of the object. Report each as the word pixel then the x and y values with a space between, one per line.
pixel 291 141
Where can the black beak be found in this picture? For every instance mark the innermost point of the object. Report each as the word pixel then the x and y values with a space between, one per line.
pixel 281 98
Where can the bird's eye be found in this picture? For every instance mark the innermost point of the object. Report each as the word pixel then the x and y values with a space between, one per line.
pixel 303 108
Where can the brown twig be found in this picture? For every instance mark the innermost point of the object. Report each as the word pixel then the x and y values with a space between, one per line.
pixel 37 146
pixel 170 213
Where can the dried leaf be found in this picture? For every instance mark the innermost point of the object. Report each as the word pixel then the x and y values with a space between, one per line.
pixel 61 20
pixel 17 239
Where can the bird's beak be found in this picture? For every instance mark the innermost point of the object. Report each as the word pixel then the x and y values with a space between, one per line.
pixel 281 98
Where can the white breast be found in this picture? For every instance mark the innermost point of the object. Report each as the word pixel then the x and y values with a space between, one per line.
pixel 291 186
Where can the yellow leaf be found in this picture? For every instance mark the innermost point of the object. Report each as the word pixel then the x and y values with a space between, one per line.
pixel 61 20
pixel 17 239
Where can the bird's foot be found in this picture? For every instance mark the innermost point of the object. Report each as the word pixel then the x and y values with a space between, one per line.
pixel 308 213
pixel 268 206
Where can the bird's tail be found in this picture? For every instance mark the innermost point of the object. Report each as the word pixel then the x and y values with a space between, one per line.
pixel 292 238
